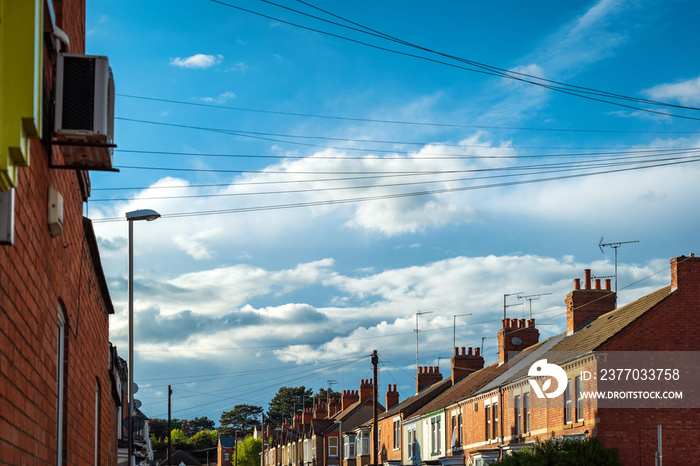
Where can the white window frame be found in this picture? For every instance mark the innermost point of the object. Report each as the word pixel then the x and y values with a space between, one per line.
pixel 349 450
pixel 333 446
pixel 411 441
pixel 397 433
pixel 568 403
pixel 526 412
pixel 578 387
pixel 518 415
pixel 435 435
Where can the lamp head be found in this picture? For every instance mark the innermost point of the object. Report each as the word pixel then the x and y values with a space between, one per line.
pixel 142 214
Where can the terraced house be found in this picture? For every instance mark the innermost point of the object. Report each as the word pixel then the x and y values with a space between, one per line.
pixel 494 410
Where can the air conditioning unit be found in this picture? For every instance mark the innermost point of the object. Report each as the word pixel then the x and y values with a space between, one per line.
pixel 84 116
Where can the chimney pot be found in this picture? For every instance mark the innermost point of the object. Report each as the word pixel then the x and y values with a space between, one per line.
pixel 531 323
pixel 469 351
pixel 477 351
pixel 463 351
pixel 505 323
pixel 607 284
pixel 587 278
pixel 456 351
pixel 577 283
pixel 597 283
pixel 522 323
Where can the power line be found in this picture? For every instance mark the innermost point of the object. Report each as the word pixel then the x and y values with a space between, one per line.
pixel 402 122
pixel 397 195
pixel 578 91
pixel 542 169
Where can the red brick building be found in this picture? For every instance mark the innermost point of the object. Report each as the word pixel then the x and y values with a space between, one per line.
pixel 58 402
pixel 497 409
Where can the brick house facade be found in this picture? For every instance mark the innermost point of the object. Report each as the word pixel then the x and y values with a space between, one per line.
pixel 57 398
pixel 499 412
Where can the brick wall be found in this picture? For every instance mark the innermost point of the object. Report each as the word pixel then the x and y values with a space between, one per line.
pixel 37 274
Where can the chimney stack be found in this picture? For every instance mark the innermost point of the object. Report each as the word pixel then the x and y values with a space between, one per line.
pixel 366 389
pixel 349 397
pixel 685 274
pixel 584 306
pixel 515 336
pixel 427 375
pixel 333 406
pixel 392 397
pixel 470 360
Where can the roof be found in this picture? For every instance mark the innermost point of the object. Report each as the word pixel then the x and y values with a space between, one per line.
pixel 227 442
pixel 464 388
pixel 598 332
pixel 608 325
pixel 183 457
pixel 415 402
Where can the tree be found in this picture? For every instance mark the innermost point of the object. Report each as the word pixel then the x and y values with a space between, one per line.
pixel 249 451
pixel 177 438
pixel 283 404
pixel 186 428
pixel 323 395
pixel 204 439
pixel 240 419
pixel 564 452
pixel 199 424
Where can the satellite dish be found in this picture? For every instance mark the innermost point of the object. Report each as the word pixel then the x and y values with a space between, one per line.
pixel 516 341
pixel 137 403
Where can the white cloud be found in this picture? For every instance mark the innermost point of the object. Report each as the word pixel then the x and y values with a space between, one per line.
pixel 199 60
pixel 194 245
pixel 221 99
pixel 686 92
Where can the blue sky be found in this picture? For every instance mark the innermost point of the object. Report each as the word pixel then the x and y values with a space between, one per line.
pixel 226 111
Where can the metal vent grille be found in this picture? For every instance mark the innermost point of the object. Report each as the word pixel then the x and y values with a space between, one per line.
pixel 78 93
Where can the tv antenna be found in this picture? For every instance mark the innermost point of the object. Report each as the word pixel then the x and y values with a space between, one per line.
pixel 614 246
pixel 419 313
pixel 506 306
pixel 531 298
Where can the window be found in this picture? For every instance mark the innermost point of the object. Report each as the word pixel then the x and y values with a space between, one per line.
pixel 313 447
pixel 397 434
pixel 332 446
pixel 579 398
pixel 411 441
pixel 526 411
pixel 435 435
pixel 456 430
pixel 517 416
pixel 487 410
pixel 226 456
pixel 60 377
pixel 567 402
pixel 349 447
pixel 363 443
pixel 494 407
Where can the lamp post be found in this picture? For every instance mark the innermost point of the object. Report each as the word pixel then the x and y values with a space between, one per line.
pixel 131 217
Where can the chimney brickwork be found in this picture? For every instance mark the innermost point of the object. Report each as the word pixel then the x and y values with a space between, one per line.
pixel 585 305
pixel 427 375
pixel 392 397
pixel 470 360
pixel 366 389
pixel 515 336
pixel 349 397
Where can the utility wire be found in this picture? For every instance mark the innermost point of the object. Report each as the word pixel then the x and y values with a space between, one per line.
pixel 578 91
pixel 399 122
pixel 542 169
pixel 394 196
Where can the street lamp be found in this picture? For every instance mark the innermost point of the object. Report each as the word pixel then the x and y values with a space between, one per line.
pixel 131 217
pixel 340 441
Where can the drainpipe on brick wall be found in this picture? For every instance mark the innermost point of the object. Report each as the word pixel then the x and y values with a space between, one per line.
pixel 503 420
